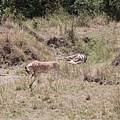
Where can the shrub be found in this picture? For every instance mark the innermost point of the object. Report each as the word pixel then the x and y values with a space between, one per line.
pixel 34 8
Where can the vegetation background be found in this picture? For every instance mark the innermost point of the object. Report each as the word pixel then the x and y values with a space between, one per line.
pixel 86 91
pixel 35 8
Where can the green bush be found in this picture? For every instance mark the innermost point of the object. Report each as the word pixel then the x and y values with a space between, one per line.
pixel 33 8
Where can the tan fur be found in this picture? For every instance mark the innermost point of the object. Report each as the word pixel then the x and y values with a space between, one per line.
pixel 41 67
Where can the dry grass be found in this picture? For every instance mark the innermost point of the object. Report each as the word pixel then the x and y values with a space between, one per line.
pixel 65 95
pixel 17 46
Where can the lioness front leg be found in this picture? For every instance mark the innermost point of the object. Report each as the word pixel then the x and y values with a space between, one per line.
pixel 34 74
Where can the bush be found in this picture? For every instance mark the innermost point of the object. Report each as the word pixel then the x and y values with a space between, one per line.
pixel 34 8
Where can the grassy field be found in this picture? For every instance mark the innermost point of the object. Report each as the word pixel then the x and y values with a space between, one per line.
pixel 87 91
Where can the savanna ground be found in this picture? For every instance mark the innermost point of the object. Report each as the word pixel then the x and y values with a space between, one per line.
pixel 87 91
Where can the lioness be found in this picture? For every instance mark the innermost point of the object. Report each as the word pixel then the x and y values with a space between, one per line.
pixel 41 67
pixel 36 67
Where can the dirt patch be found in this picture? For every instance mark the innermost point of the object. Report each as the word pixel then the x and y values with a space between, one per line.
pixel 100 80
pixel 57 42
pixel 30 54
